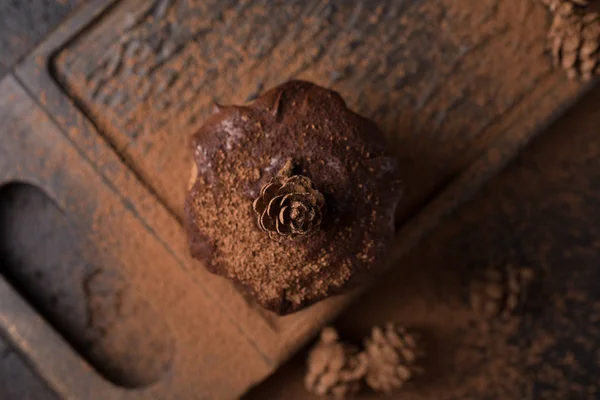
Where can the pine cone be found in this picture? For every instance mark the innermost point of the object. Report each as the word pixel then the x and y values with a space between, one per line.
pixel 553 5
pixel 500 292
pixel 289 205
pixel 335 368
pixel 574 38
pixel 392 354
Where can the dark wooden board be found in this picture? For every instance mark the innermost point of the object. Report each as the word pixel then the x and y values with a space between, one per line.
pixel 23 23
pixel 112 287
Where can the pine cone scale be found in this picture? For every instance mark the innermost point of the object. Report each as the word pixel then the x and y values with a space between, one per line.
pixel 299 214
pixel 258 206
pixel 270 190
pixel 266 223
pixel 282 228
pixel 284 214
pixel 274 206
pixel 294 188
pixel 298 197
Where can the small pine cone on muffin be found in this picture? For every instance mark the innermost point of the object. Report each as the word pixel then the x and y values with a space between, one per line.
pixel 289 205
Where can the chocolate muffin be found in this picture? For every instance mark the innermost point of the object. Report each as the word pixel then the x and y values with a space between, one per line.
pixel 293 196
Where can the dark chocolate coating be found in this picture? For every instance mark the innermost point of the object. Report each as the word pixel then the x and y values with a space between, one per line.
pixel 240 148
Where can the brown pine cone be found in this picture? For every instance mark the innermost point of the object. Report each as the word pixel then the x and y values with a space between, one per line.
pixel 335 369
pixel 555 4
pixel 500 292
pixel 289 205
pixel 574 38
pixel 392 354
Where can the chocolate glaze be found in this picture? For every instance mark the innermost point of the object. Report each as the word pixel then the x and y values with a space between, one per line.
pixel 240 148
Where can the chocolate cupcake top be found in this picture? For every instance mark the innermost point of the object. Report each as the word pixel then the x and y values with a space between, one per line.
pixel 293 198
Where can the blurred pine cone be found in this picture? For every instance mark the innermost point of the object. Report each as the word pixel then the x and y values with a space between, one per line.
pixel 554 4
pixel 500 291
pixel 334 368
pixel 488 293
pixel 392 354
pixel 574 37
pixel 289 206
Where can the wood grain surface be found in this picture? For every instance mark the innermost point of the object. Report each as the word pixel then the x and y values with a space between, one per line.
pixel 154 321
pixel 23 23
pixel 436 75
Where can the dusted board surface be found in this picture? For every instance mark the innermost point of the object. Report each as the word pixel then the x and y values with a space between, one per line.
pixel 438 76
pixel 458 87
pixel 23 23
